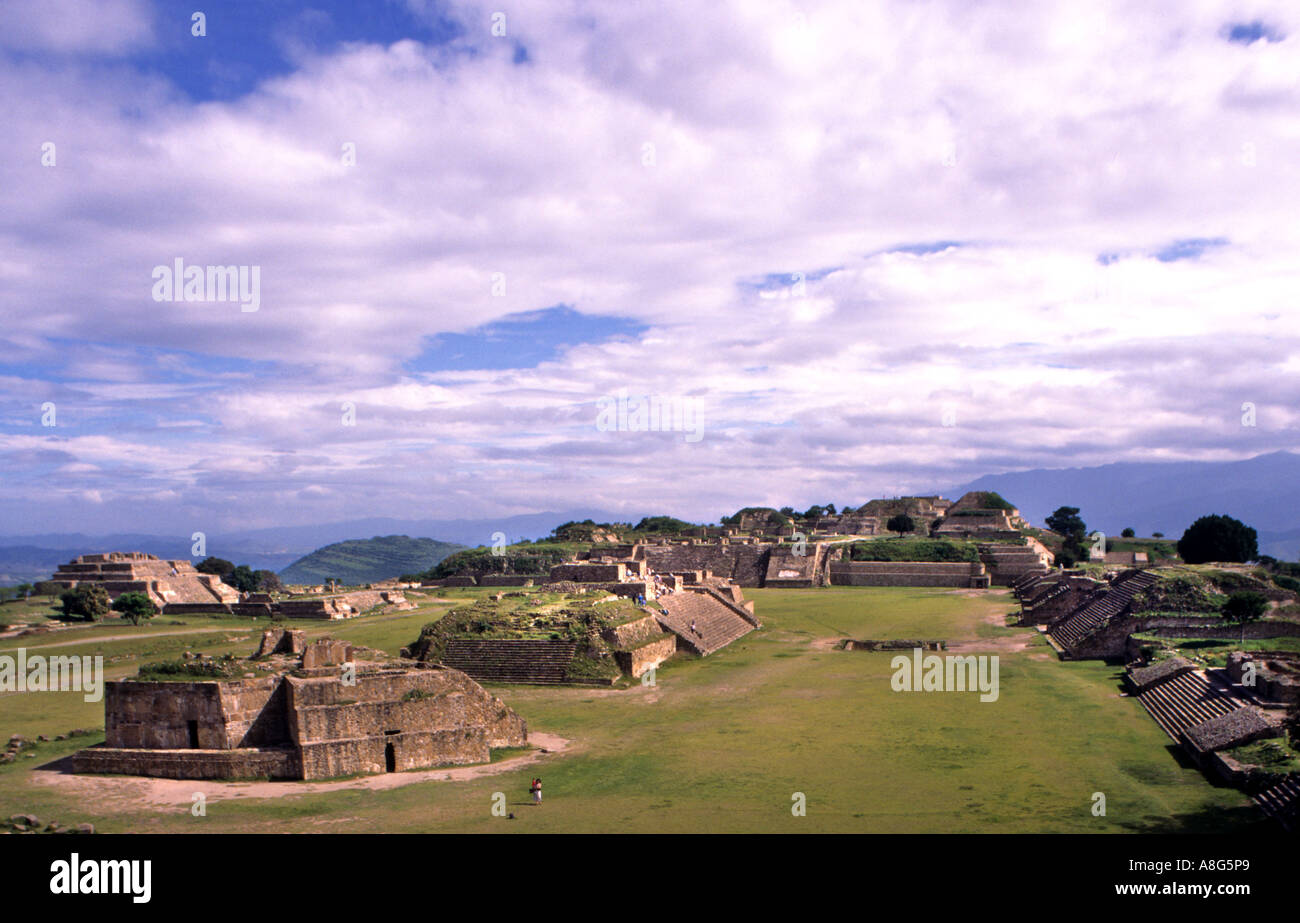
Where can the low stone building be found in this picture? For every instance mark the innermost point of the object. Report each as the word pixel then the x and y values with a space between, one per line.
pixel 317 711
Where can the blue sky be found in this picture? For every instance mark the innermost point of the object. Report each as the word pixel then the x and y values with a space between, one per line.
pixel 878 247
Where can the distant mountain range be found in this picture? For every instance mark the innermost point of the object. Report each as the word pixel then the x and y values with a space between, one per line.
pixel 367 560
pixel 28 558
pixel 1263 492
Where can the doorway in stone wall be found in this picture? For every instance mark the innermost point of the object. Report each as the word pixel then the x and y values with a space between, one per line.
pixel 390 758
pixel 193 728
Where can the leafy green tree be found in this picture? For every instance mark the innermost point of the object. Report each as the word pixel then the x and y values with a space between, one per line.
pixel 135 606
pixel 1066 521
pixel 1244 607
pixel 814 512
pixel 830 509
pixel 242 579
pixel 1128 533
pixel 268 581
pixel 1157 535
pixel 88 602
pixel 218 566
pixel 24 590
pixel 902 524
pixel 1218 538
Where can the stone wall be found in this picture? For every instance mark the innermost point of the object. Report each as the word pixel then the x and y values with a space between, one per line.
pixel 745 564
pixel 279 763
pixel 157 715
pixel 907 573
pixel 589 573
pixel 636 661
pixel 630 634
pixel 504 580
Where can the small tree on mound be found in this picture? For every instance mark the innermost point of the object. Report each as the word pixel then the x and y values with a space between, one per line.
pixel 88 602
pixel 1243 607
pixel 136 606
pixel 1218 538
pixel 216 566
pixel 1128 533
pixel 902 524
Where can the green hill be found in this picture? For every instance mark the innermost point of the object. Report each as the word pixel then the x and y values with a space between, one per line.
pixel 367 560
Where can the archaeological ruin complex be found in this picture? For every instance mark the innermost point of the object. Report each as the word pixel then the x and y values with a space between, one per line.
pixel 301 710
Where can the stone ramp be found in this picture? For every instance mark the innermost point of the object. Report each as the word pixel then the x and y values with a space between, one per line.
pixel 716 623
pixel 534 663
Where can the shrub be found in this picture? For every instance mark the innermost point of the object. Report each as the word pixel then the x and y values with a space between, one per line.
pixel 135 606
pixel 89 602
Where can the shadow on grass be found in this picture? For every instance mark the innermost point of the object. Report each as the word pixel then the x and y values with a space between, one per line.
pixel 1211 819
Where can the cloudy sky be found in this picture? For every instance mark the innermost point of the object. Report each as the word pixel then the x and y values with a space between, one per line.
pixel 876 248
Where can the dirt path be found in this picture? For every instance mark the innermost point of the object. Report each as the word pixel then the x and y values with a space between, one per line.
pixel 128 793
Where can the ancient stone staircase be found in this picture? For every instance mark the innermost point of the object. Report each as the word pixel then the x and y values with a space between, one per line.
pixel 1280 801
pixel 716 624
pixel 537 663
pixel 1189 699
pixel 1186 700
pixel 1097 612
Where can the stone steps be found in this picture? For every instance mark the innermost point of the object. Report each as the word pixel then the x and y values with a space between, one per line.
pixel 716 625
pixel 1185 701
pixel 1280 801
pixel 1096 613
pixel 535 663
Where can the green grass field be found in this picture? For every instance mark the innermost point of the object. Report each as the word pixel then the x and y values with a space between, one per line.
pixel 723 744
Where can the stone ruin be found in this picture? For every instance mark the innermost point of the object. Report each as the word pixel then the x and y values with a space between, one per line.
pixel 164 582
pixel 303 710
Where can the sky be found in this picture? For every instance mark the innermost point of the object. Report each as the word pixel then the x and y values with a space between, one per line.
pixel 859 249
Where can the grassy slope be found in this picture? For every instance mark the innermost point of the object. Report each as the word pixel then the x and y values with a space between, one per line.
pixel 366 560
pixel 721 744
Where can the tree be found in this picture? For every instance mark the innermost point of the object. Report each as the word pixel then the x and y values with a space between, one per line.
pixel 1157 535
pixel 1244 606
pixel 901 524
pixel 1218 538
pixel 1065 521
pixel 88 602
pixel 242 579
pixel 830 509
pixel 268 581
pixel 135 606
pixel 814 512
pixel 218 566
pixel 1128 533
pixel 24 590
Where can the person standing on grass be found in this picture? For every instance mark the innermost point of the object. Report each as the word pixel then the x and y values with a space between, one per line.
pixel 537 791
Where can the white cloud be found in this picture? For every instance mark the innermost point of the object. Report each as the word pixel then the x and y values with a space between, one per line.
pixel 786 138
